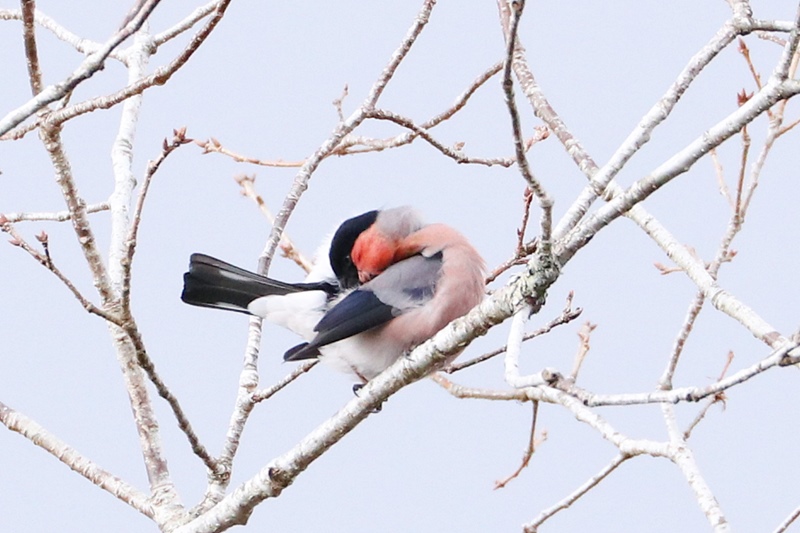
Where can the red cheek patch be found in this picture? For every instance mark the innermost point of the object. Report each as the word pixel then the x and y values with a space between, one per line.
pixel 372 253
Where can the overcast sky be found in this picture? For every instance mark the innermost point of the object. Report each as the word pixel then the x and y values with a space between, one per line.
pixel 263 84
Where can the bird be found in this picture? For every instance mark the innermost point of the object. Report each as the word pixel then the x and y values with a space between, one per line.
pixel 213 283
pixel 389 282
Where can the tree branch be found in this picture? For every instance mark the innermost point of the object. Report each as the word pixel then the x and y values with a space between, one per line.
pixel 85 70
pixel 533 526
pixel 513 50
pixel 38 435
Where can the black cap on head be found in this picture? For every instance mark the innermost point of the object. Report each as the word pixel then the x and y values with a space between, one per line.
pixel 342 244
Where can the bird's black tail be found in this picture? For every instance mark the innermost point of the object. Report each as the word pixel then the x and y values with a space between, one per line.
pixel 214 283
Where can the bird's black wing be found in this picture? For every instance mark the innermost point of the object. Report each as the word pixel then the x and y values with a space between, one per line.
pixel 403 286
pixel 359 311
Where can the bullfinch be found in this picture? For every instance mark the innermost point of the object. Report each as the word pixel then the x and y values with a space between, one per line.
pixel 388 283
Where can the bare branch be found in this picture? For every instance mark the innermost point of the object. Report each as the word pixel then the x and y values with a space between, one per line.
pixel 785 355
pixel 567 315
pixel 678 164
pixel 720 174
pixel 159 77
pixel 783 526
pixel 337 103
pixel 84 46
pixel 146 364
pixel 601 178
pixel 186 24
pixel 782 71
pixel 178 139
pixel 214 146
pixel 683 457
pixel 533 443
pixel 248 383
pixel 29 37
pixel 51 138
pixel 717 398
pixel 355 145
pixel 739 209
pixel 288 249
pixel 46 261
pixel 541 107
pixel 584 334
pixel 58 216
pixel 344 128
pixel 683 160
pixel 87 68
pixel 265 394
pixel 454 154
pixel 546 376
pixel 532 527
pixel 120 250
pixel 513 51
pixel 19 423
pixel 462 392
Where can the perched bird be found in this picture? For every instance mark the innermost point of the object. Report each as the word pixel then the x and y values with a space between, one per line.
pixel 392 282
pixel 214 283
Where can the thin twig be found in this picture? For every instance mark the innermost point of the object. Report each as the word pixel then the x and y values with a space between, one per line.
pixel 265 394
pixel 786 355
pixel 87 68
pixel 527 198
pixel 719 172
pixel 159 77
pixel 337 103
pixel 146 364
pixel 717 398
pixel 57 216
pixel 178 139
pixel 521 257
pixel 343 129
pixel 696 305
pixel 545 202
pixel 567 315
pixel 532 526
pixel 51 138
pixel 352 144
pixel 81 45
pixel 41 437
pixel 452 153
pixel 584 334
pixel 533 443
pixel 288 249
pixel 683 457
pixel 46 261
pixel 212 145
pixel 187 23
pixel 745 51
pixel 462 392
pixel 783 526
pixel 29 38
